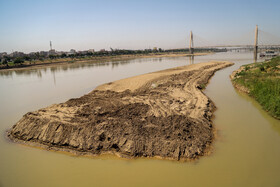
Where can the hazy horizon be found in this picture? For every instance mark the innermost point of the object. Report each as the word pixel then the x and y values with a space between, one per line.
pixel 30 25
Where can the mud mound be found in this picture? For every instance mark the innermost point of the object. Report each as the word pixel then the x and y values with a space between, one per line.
pixel 165 115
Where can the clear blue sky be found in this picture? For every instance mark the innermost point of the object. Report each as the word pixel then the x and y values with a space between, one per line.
pixel 29 25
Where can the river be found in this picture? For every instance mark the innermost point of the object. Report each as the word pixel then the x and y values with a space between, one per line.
pixel 246 151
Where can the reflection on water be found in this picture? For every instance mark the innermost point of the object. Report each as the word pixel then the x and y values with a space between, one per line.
pixel 275 124
pixel 73 66
pixel 191 59
pixel 246 151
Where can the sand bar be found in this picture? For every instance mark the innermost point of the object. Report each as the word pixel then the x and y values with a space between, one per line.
pixel 162 114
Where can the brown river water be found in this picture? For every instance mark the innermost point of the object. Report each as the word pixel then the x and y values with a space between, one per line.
pixel 246 151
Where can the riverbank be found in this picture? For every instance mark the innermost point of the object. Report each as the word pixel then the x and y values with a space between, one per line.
pixel 95 59
pixel 262 82
pixel 162 114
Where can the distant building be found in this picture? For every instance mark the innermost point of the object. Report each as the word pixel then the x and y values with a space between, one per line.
pixel 52 52
pixel 102 50
pixel 44 53
pixel 59 52
pixel 72 52
pixel 32 53
pixel 3 54
pixel 82 52
pixel 155 48
pixel 91 50
pixel 17 54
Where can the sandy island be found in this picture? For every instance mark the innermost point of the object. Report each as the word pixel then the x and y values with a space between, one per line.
pixel 162 114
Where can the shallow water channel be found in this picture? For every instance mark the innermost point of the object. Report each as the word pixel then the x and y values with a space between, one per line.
pixel 246 151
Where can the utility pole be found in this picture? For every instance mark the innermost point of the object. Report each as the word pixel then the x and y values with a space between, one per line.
pixel 256 44
pixel 191 43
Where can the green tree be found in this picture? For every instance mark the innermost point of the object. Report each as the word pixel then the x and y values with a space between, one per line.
pixel 72 56
pixel 63 55
pixel 27 58
pixel 52 56
pixel 6 60
pixel 18 61
pixel 37 55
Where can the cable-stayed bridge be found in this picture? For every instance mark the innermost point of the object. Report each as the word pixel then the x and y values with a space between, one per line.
pixel 259 40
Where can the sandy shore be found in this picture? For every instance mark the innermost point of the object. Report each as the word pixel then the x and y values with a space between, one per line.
pixel 162 114
pixel 59 62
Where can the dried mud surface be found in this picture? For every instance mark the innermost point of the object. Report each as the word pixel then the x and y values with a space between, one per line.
pixel 163 114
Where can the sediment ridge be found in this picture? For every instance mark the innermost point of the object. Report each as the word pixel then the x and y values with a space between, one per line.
pixel 162 114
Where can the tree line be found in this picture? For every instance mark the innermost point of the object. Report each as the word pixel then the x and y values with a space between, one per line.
pixel 6 60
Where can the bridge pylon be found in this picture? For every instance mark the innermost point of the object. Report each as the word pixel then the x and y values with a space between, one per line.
pixel 256 43
pixel 191 49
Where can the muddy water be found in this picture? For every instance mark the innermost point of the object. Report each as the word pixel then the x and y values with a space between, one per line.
pixel 246 152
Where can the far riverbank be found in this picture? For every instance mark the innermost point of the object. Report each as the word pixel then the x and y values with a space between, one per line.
pixel 97 59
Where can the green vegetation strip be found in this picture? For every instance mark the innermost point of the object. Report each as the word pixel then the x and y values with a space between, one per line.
pixel 263 82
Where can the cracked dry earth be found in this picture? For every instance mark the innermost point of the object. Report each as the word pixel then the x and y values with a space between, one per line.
pixel 163 114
